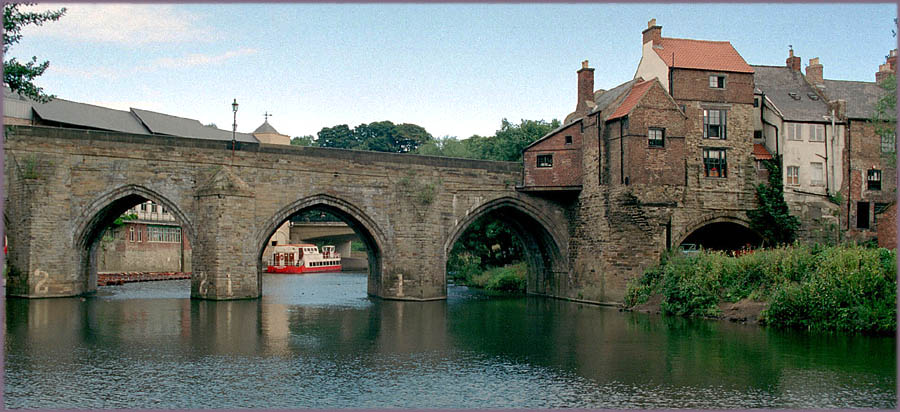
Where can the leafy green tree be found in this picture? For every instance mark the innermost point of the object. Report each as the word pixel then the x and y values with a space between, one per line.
pixel 885 114
pixel 20 76
pixel 307 140
pixel 447 146
pixel 339 136
pixel 508 142
pixel 772 218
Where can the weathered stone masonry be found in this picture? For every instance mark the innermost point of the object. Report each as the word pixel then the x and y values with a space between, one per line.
pixel 64 186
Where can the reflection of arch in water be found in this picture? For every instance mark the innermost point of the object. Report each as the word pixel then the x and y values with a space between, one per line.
pixel 544 247
pixel 369 232
pixel 102 212
pixel 726 232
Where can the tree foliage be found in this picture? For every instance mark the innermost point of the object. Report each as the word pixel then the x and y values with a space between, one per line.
pixel 885 113
pixel 306 140
pixel 772 218
pixel 20 76
pixel 383 136
pixel 506 144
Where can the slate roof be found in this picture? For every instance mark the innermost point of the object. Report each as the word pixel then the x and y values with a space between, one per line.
pixel 778 82
pixel 265 128
pixel 861 97
pixel 610 96
pixel 701 54
pixel 637 92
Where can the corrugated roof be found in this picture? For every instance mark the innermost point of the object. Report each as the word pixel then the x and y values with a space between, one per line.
pixel 861 97
pixel 760 152
pixel 637 92
pixel 86 115
pixel 778 82
pixel 701 55
pixel 159 123
pixel 265 128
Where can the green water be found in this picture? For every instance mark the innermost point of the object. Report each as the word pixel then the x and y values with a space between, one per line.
pixel 317 341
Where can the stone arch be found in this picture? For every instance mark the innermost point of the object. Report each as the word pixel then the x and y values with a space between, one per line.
pixel 103 211
pixel 706 220
pixel 546 249
pixel 369 231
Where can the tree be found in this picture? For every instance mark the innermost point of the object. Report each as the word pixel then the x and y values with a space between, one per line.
pixel 508 142
pixel 18 76
pixel 772 218
pixel 339 136
pixel 884 117
pixel 307 140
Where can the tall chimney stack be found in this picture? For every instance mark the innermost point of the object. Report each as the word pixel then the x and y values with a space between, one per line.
pixel 652 32
pixel 585 88
pixel 793 62
pixel 814 72
pixel 888 68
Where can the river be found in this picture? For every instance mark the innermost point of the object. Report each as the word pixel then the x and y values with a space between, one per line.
pixel 317 341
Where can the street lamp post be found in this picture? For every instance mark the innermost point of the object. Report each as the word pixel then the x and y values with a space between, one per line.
pixel 234 107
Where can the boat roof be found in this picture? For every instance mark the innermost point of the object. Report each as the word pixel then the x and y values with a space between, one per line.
pixel 297 245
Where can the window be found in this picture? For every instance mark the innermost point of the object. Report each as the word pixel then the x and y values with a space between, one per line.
pixel 756 102
pixel 794 131
pixel 873 179
pixel 656 136
pixel 131 231
pixel 569 139
pixel 714 163
pixel 793 175
pixel 757 134
pixel 862 215
pixel 163 234
pixel 888 143
pixel 816 133
pixel 714 124
pixel 274 242
pixel 545 160
pixel 140 234
pixel 143 207
pixel 717 81
pixel 153 207
pixel 816 176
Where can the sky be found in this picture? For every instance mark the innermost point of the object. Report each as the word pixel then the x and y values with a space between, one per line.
pixel 454 69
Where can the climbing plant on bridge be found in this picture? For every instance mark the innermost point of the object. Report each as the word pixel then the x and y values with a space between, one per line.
pixel 772 218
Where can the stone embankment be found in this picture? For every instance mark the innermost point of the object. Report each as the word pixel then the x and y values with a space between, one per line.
pixel 106 279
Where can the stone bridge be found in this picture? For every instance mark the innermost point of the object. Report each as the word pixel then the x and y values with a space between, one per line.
pixel 65 186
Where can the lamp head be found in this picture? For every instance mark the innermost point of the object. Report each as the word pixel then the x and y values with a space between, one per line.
pixel 234 106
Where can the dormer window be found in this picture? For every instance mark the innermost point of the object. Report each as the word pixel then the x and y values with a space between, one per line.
pixel 717 81
pixel 794 95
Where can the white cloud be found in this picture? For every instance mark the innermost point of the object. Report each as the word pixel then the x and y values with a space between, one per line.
pixel 123 23
pixel 197 59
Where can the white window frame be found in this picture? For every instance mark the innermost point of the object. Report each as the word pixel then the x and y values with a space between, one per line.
pixel 816 133
pixel 794 131
pixel 793 179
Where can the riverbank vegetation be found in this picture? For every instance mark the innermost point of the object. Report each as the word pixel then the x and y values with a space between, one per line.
pixel 846 288
pixel 488 255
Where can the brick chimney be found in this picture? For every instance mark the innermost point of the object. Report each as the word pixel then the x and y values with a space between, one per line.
pixel 793 62
pixel 652 33
pixel 585 87
pixel 814 72
pixel 888 68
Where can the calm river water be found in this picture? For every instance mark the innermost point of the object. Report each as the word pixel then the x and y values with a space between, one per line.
pixel 317 341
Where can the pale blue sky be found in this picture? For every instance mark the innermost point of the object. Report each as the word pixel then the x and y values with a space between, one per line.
pixel 455 69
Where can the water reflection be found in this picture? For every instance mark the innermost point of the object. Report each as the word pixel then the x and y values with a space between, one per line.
pixel 318 341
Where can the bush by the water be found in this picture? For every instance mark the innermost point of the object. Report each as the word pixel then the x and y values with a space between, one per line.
pixel 841 288
pixel 509 278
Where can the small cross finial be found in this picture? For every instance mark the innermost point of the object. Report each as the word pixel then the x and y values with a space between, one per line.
pixel 267 115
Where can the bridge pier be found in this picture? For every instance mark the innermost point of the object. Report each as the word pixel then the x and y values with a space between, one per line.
pixel 222 267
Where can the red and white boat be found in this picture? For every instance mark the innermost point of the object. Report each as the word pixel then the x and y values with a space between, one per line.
pixel 304 258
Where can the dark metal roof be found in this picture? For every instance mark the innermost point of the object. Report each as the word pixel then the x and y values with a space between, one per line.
pixel 86 115
pixel 159 123
pixel 861 97
pixel 779 83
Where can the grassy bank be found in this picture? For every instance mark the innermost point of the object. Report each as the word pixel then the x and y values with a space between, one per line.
pixel 509 278
pixel 841 288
